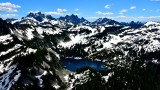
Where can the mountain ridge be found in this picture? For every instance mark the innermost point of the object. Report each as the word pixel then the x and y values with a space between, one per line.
pixel 74 19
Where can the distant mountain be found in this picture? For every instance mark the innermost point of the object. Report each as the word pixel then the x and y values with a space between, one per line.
pixel 50 17
pixel 38 16
pixel 105 21
pixel 10 19
pixel 40 19
pixel 133 24
pixel 74 19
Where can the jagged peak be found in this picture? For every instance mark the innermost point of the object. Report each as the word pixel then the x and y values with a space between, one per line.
pixel 82 17
pixel 35 14
pixel 70 16
pixel 74 15
pixel 136 22
pixel 50 17
pixel 39 16
pixel 74 19
pixel 105 21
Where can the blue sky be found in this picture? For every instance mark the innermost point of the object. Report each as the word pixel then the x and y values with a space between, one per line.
pixel 120 10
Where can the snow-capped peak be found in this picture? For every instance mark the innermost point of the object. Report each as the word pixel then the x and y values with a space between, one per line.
pixel 38 16
pixel 105 21
pixel 151 23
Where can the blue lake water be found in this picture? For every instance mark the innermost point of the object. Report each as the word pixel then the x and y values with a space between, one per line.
pixel 74 64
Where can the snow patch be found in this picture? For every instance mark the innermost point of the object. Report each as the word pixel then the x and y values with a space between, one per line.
pixel 106 78
pixel 56 86
pixel 5 39
pixel 9 78
pixel 10 50
pixel 151 23
pixel 39 78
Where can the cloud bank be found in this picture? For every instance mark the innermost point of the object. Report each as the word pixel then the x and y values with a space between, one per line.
pixel 9 7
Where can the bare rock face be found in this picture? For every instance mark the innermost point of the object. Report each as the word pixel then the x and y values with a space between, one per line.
pixel 5 27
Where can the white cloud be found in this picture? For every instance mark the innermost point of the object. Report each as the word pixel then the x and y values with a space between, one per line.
pixel 107 6
pixel 77 14
pixel 9 7
pixel 109 13
pixel 143 9
pixel 123 11
pixel 54 13
pixel 103 13
pixel 34 11
pixel 59 12
pixel 133 7
pixel 92 18
pixel 4 16
pixel 99 12
pixel 155 0
pixel 77 9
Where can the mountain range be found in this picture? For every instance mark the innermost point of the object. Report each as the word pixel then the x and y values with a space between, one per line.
pixel 32 49
pixel 74 19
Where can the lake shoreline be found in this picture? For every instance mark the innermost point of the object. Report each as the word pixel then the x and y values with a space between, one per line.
pixel 73 64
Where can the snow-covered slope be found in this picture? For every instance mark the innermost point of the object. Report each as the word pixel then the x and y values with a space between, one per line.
pixel 24 64
pixel 31 50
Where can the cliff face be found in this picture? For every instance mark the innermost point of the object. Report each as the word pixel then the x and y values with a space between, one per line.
pixel 38 71
pixel 5 27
